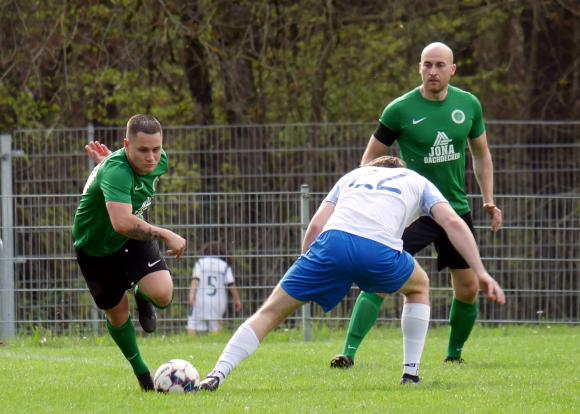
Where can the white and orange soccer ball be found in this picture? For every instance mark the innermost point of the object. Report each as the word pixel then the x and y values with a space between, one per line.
pixel 176 376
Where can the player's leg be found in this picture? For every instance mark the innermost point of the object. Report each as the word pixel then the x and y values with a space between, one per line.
pixel 414 322
pixel 366 309
pixel 364 315
pixel 250 334
pixel 463 312
pixel 107 283
pixel 122 330
pixel 153 283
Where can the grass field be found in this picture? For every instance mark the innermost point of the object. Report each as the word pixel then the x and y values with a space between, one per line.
pixel 509 369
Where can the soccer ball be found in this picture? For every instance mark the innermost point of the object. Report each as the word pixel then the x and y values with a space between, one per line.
pixel 177 376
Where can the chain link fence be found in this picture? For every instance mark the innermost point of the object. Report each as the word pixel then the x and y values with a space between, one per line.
pixel 241 185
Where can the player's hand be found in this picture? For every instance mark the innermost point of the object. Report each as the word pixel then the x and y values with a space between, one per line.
pixel 175 245
pixel 238 306
pixel 97 151
pixel 495 214
pixel 491 289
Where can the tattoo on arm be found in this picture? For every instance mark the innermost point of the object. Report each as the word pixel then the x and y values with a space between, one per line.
pixel 139 233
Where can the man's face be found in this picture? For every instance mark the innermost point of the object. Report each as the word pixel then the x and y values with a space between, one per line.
pixel 144 152
pixel 436 69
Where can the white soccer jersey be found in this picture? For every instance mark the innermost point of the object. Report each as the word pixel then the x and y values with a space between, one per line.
pixel 378 203
pixel 211 297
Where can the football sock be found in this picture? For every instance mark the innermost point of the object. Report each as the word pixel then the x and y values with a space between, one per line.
pixel 139 293
pixel 242 344
pixel 364 316
pixel 414 323
pixel 462 317
pixel 125 338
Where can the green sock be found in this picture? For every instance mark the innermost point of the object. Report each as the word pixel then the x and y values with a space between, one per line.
pixel 139 293
pixel 125 338
pixel 462 317
pixel 364 315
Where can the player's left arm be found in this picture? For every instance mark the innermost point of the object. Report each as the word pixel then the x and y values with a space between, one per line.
pixel 317 224
pixel 235 296
pixel 483 169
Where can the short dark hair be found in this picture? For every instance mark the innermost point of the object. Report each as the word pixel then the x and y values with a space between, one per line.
pixel 143 123
pixel 214 248
pixel 386 161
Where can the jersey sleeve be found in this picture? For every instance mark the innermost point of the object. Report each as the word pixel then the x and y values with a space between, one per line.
pixel 229 276
pixel 431 196
pixel 196 274
pixel 390 117
pixel 478 126
pixel 332 196
pixel 116 181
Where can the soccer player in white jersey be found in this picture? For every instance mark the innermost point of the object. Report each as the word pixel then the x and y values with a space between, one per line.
pixel 355 237
pixel 208 299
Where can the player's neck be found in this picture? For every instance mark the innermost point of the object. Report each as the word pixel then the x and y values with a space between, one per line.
pixel 432 96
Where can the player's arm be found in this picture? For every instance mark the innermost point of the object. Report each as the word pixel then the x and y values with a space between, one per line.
pixel 97 151
pixel 317 224
pixel 193 291
pixel 483 169
pixel 125 223
pixel 235 296
pixel 462 239
pixel 382 138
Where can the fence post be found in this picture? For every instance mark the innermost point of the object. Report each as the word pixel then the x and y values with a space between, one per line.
pixel 7 310
pixel 304 220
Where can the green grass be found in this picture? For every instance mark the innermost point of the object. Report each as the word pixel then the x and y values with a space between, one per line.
pixel 509 369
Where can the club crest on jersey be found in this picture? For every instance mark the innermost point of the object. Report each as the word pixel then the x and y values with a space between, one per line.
pixel 442 150
pixel 458 116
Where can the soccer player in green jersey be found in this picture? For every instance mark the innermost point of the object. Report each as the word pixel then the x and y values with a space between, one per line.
pixel 432 124
pixel 114 245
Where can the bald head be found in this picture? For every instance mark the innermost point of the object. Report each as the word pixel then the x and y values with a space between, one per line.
pixel 436 69
pixel 438 50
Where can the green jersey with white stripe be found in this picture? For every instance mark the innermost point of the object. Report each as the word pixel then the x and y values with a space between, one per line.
pixel 112 180
pixel 432 136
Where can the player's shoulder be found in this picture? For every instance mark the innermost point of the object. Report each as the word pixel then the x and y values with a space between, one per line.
pixel 116 161
pixel 462 94
pixel 406 97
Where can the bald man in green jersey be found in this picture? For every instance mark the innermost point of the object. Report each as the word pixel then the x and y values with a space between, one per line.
pixel 115 246
pixel 432 124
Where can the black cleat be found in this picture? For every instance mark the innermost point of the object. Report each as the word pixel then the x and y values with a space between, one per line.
pixel 146 382
pixel 147 317
pixel 410 379
pixel 454 360
pixel 209 383
pixel 342 362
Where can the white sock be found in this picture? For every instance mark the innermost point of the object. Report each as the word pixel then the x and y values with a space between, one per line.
pixel 241 345
pixel 414 323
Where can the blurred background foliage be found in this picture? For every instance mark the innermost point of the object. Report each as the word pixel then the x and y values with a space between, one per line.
pixel 70 63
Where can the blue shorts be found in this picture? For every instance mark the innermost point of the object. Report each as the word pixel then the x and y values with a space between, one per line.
pixel 336 260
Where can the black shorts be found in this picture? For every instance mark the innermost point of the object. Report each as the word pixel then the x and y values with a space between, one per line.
pixel 108 277
pixel 425 231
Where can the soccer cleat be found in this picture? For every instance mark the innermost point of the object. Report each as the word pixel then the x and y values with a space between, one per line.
pixel 146 382
pixel 454 360
pixel 410 379
pixel 342 362
pixel 209 383
pixel 147 317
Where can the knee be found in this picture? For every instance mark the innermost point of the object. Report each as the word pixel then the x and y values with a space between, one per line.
pixel 162 299
pixel 467 290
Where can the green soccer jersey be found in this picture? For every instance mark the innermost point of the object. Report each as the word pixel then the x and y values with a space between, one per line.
pixel 112 180
pixel 432 136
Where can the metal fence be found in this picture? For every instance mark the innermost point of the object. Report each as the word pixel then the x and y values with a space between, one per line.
pixel 241 185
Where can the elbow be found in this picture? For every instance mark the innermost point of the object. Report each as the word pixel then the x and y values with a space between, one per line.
pixel 121 226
